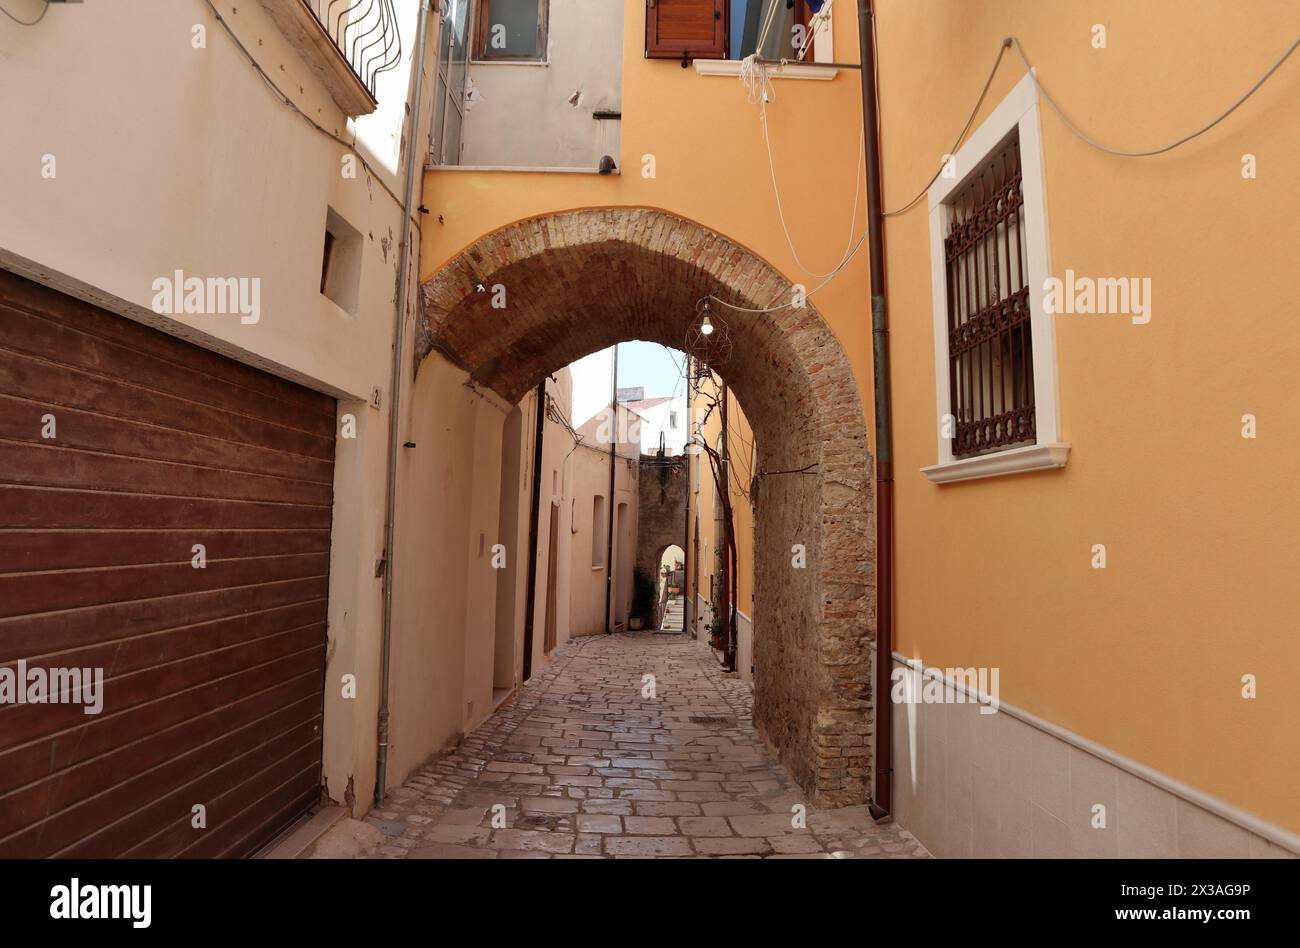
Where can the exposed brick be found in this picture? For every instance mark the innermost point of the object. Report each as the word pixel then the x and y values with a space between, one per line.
pixel 579 281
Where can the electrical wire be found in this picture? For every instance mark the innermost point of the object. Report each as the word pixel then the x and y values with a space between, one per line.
pixel 759 89
pixel 554 413
pixel 961 137
pixel 758 84
pixel 44 10
pixel 742 484
pixel 1013 41
pixel 1121 153
pixel 780 208
pixel 350 146
pixel 736 462
pixel 681 369
pixel 774 309
pixel 739 466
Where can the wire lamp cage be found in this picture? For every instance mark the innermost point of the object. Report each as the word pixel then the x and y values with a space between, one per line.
pixel 708 342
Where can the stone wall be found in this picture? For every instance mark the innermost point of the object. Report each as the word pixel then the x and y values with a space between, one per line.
pixel 662 521
pixel 580 281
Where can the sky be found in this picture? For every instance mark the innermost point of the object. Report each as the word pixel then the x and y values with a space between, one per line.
pixel 647 364
pixel 653 366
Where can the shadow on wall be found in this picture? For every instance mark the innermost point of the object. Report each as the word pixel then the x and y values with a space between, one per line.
pixel 581 281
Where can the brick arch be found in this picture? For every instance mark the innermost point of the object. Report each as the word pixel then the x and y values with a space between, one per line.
pixel 579 281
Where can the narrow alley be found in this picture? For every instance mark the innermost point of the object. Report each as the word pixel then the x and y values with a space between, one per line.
pixel 579 764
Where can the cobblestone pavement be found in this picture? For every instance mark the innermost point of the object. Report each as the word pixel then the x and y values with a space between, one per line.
pixel 580 765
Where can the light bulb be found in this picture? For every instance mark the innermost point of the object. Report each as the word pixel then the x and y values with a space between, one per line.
pixel 706 327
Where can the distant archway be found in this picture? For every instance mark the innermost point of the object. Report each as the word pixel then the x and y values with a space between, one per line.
pixel 669 585
pixel 580 281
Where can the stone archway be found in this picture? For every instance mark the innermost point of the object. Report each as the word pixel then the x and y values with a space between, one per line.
pixel 661 512
pixel 580 281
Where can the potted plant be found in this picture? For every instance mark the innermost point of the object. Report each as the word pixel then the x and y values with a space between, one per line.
pixel 717 638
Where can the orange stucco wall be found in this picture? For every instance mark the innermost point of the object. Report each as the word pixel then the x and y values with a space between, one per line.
pixel 1145 657
pixel 710 166
pixel 704 503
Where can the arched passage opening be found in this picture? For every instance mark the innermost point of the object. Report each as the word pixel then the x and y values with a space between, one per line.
pixel 579 281
pixel 670 566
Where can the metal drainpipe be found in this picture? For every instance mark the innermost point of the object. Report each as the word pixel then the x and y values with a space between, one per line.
pixel 882 796
pixel 609 508
pixel 686 527
pixel 728 567
pixel 395 403
pixel 534 528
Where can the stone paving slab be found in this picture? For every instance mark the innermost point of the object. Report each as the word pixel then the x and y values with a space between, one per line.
pixel 579 764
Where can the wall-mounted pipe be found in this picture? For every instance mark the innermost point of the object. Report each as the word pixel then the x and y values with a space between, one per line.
pixel 883 770
pixel 686 592
pixel 534 528
pixel 609 507
pixel 729 570
pixel 414 159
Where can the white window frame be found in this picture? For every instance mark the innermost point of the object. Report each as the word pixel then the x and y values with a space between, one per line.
pixel 1018 111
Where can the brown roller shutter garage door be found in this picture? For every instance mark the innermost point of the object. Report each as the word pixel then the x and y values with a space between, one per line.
pixel 121 450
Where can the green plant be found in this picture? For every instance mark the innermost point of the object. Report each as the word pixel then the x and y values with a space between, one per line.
pixel 716 638
pixel 643 595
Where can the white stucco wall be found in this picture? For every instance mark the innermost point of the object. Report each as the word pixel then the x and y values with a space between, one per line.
pixel 556 487
pixel 171 154
pixel 592 385
pixel 520 114
pixel 655 421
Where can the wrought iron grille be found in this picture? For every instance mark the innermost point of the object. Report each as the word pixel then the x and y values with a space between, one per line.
pixel 365 32
pixel 990 351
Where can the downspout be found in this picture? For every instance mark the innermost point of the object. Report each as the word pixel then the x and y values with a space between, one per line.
pixel 609 508
pixel 534 529
pixel 881 803
pixel 687 592
pixel 728 564
pixel 394 411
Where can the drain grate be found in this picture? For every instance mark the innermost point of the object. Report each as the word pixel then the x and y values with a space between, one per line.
pixel 538 822
pixel 715 720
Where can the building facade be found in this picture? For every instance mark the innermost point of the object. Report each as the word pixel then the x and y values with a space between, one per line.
pixel 254 386
pixel 217 269
pixel 663 424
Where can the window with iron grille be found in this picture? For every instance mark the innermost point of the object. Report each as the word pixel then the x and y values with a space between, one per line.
pixel 990 348
pixel 997 392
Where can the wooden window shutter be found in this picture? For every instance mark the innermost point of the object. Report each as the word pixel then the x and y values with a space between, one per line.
pixel 686 29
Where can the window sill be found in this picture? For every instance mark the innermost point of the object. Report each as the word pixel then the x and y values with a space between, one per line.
pixel 525 169
pixel 731 67
pixel 1034 457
